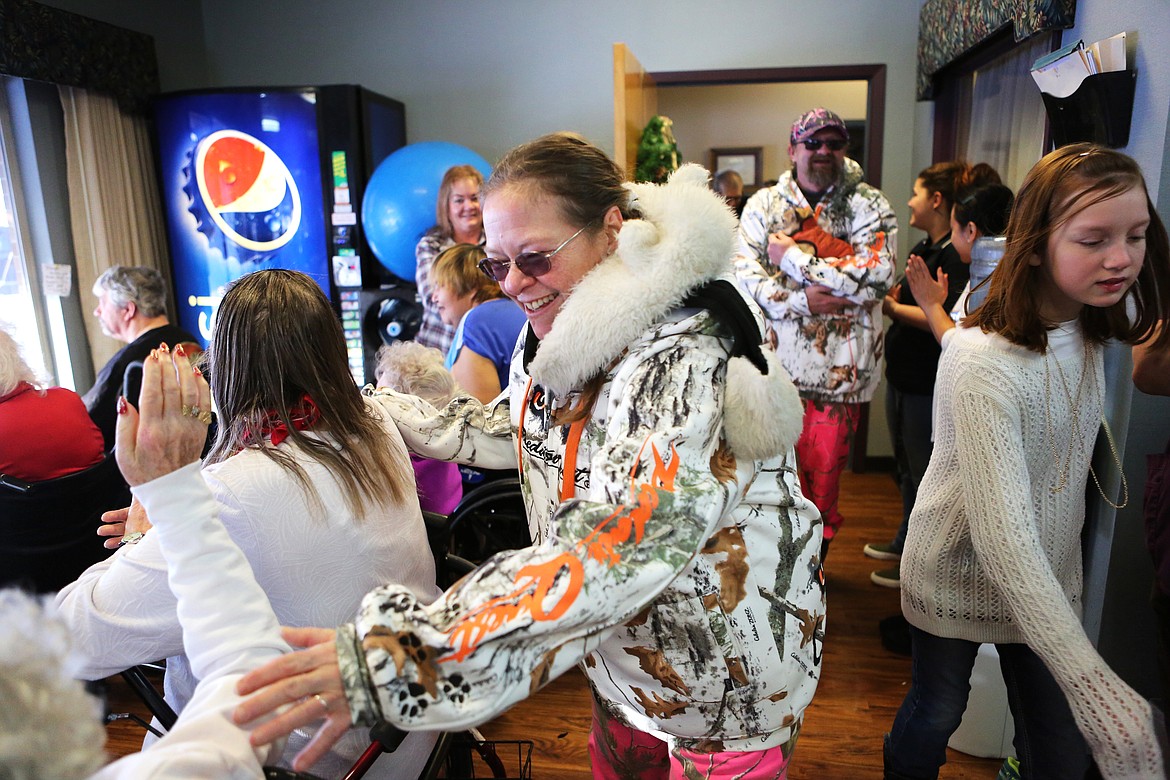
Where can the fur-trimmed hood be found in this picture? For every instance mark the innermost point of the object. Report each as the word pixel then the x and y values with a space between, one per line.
pixel 683 236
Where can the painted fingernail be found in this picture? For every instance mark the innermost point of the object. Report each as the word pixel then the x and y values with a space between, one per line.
pixel 163 348
pixel 196 370
pixel 122 404
pixel 179 351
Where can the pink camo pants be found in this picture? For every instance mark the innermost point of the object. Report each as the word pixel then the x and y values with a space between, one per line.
pixel 821 454
pixel 618 752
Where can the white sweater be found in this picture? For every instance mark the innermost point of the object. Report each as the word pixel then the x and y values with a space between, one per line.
pixel 993 553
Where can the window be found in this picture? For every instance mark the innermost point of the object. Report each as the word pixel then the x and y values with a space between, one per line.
pixel 34 229
pixel 1007 119
pixel 22 315
pixel 989 109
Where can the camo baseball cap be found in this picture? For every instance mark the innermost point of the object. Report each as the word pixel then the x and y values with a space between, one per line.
pixel 816 119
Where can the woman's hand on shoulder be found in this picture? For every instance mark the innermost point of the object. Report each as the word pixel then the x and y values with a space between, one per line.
pixel 310 681
pixel 118 524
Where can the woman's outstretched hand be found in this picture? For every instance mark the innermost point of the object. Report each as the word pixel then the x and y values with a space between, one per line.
pixel 117 523
pixel 307 679
pixel 926 289
pixel 169 428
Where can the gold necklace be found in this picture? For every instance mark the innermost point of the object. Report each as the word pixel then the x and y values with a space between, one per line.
pixel 1074 407
pixel 1074 410
pixel 1120 470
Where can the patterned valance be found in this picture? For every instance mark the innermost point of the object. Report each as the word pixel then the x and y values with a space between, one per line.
pixel 48 44
pixel 947 29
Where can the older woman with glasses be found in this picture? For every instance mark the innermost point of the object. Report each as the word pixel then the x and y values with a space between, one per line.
pixel 674 558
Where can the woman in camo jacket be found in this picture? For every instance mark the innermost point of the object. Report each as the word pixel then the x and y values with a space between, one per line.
pixel 674 557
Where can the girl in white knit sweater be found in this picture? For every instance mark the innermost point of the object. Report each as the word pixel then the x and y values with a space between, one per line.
pixel 993 553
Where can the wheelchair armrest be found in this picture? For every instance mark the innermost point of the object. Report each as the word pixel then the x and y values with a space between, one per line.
pixel 15 483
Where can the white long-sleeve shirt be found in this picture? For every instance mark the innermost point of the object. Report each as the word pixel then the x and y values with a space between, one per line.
pixel 228 629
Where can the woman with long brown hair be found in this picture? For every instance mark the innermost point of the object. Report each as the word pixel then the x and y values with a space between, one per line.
pixel 310 480
pixel 993 553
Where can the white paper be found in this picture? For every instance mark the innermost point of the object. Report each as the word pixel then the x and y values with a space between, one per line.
pixel 1110 53
pixel 1061 78
pixel 56 280
pixel 344 219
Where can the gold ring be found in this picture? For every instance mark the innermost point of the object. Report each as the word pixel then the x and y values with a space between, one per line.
pixel 195 413
pixel 321 700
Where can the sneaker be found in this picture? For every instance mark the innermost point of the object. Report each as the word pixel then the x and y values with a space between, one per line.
pixel 1010 769
pixel 887 578
pixel 883 552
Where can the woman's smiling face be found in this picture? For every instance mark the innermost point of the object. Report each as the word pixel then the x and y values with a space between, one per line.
pixel 523 219
pixel 463 210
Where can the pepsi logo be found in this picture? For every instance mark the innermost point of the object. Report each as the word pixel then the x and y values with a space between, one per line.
pixel 247 190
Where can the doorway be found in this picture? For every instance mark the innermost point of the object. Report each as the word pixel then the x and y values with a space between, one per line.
pixel 713 123
pixel 636 98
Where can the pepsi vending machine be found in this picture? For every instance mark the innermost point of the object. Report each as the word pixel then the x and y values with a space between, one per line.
pixel 273 178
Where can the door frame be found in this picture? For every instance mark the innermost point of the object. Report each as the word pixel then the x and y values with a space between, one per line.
pixel 875 106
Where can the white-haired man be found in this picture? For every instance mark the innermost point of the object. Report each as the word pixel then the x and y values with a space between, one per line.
pixel 131 308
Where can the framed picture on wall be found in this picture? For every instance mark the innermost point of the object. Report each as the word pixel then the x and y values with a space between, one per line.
pixel 747 161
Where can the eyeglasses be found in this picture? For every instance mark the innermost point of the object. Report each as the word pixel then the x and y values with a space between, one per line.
pixel 834 144
pixel 527 263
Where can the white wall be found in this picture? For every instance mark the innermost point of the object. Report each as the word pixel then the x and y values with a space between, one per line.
pixel 1119 574
pixel 490 75
pixel 749 115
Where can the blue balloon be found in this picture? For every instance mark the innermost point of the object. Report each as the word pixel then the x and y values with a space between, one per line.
pixel 399 203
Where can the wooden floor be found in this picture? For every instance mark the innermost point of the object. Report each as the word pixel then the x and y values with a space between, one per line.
pixel 861 683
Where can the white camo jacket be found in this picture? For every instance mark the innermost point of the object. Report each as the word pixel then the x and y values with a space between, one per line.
pixel 681 575
pixel 833 358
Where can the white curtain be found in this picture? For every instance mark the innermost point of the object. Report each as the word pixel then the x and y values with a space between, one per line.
pixel 113 197
pixel 1006 125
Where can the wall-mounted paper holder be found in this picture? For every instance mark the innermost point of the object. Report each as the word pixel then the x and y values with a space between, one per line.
pixel 1099 111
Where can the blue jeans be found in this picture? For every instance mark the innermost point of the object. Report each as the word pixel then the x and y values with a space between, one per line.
pixel 909 417
pixel 1048 743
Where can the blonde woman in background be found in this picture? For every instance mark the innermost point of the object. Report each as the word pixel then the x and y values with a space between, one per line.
pixel 458 220
pixel 487 323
